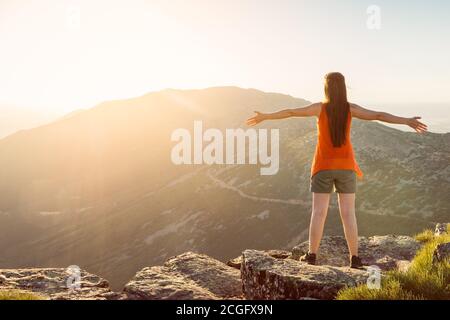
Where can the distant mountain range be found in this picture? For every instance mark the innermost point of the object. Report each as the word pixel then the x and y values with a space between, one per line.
pixel 14 118
pixel 98 189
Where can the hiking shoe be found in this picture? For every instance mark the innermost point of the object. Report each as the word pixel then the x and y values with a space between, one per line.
pixel 309 258
pixel 356 262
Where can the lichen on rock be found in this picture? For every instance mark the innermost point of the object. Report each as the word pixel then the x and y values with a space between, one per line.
pixel 268 278
pixel 51 283
pixel 386 252
pixel 442 252
pixel 187 276
pixel 278 254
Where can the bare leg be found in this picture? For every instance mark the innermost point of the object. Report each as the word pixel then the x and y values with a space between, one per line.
pixel 348 217
pixel 319 214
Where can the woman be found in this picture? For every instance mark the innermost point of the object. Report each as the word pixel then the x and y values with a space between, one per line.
pixel 334 163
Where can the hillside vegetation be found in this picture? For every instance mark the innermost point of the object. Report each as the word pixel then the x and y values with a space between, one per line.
pixel 19 295
pixel 424 280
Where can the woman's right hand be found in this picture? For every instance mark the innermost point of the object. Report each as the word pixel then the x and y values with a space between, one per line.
pixel 253 121
pixel 417 125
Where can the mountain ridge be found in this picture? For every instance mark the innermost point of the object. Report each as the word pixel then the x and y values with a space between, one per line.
pixel 99 190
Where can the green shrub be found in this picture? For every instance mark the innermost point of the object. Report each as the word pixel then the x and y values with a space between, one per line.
pixel 19 295
pixel 391 290
pixel 425 236
pixel 423 279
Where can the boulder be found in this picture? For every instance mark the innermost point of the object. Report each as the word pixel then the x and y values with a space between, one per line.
pixel 385 252
pixel 278 254
pixel 268 278
pixel 188 276
pixel 442 252
pixel 157 283
pixel 52 283
pixel 403 265
pixel 441 228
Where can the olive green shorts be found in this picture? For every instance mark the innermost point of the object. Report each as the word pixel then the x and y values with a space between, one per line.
pixel 344 181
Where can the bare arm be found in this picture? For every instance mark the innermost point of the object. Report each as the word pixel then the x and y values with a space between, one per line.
pixel 366 114
pixel 308 111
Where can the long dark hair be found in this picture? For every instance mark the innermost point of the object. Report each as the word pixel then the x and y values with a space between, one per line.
pixel 337 107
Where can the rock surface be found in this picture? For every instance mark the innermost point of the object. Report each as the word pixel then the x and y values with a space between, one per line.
pixel 269 274
pixel 441 228
pixel 268 278
pixel 442 252
pixel 187 276
pixel 278 254
pixel 386 252
pixel 51 283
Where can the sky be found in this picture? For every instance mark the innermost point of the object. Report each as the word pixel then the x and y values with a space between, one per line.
pixel 62 55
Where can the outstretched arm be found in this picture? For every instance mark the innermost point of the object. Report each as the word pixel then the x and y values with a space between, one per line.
pixel 366 114
pixel 308 111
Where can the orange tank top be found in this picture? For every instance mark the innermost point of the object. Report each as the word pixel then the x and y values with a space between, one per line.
pixel 328 157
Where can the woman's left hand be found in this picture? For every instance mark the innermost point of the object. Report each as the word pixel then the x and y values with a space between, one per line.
pixel 417 125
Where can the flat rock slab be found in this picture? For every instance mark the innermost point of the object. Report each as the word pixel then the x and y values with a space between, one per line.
pixel 268 278
pixel 186 277
pixel 158 283
pixel 51 283
pixel 385 252
pixel 279 254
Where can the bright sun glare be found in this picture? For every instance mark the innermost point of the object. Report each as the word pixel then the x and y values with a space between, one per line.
pixel 65 55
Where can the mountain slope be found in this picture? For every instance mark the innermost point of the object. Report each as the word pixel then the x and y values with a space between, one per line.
pixel 98 189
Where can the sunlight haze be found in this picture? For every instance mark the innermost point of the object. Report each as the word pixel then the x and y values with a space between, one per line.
pixel 58 56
